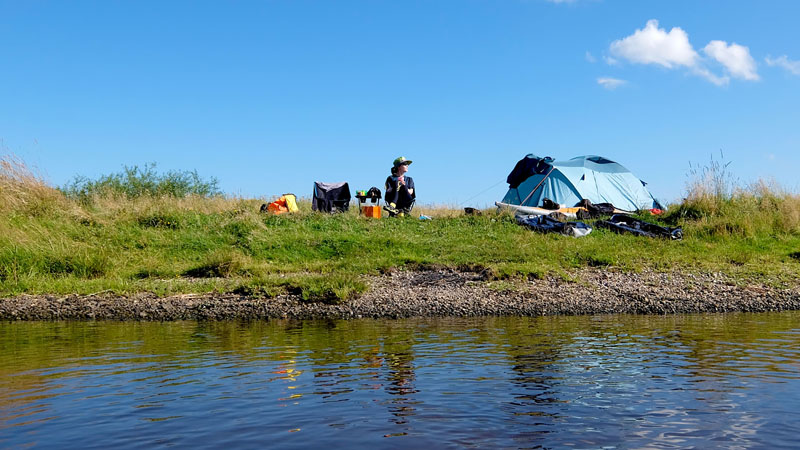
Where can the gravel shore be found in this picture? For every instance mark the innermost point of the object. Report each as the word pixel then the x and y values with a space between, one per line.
pixel 438 293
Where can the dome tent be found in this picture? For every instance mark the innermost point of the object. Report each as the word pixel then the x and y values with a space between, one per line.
pixel 595 178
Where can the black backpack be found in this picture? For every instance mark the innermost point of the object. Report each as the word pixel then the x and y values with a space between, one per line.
pixel 549 204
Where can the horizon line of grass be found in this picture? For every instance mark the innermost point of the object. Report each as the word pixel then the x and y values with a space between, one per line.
pixel 106 239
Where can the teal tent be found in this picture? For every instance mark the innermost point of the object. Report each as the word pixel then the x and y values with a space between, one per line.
pixel 595 178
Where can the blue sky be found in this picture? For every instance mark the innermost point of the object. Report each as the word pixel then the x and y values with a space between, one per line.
pixel 269 96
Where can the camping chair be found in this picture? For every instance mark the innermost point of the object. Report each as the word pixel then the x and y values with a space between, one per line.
pixel 331 197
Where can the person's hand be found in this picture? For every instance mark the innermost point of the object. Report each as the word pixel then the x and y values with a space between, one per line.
pixel 402 180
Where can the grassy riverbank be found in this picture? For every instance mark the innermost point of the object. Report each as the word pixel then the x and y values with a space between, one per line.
pixel 173 234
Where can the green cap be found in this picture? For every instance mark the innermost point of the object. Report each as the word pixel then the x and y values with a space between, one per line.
pixel 401 160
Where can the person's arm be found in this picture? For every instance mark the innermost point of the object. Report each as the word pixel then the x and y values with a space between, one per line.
pixel 410 186
pixel 389 190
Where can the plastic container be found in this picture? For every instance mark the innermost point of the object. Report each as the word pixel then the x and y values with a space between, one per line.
pixel 371 211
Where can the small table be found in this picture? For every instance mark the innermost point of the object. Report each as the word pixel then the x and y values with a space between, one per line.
pixel 365 200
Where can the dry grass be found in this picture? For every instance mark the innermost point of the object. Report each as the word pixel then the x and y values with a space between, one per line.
pixel 770 195
pixel 717 204
pixel 24 191
pixel 439 210
pixel 110 207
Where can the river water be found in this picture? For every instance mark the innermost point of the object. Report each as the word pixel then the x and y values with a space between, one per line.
pixel 706 381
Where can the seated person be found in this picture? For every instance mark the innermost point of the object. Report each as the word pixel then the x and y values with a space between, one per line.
pixel 400 193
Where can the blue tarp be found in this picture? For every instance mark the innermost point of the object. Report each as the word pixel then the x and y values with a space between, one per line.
pixel 595 178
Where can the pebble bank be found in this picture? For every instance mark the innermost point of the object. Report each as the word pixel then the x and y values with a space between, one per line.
pixel 438 293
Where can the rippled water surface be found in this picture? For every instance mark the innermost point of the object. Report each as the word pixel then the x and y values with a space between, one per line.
pixel 705 381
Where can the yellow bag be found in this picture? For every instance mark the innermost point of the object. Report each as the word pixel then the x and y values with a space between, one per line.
pixel 286 203
pixel 291 202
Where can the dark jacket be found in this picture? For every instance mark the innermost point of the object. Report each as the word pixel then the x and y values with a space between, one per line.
pixel 399 197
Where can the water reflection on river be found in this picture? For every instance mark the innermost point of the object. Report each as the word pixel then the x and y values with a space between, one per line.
pixel 580 382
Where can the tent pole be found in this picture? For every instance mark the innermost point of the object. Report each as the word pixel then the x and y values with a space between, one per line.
pixel 522 203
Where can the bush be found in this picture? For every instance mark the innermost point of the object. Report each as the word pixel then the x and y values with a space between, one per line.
pixel 134 182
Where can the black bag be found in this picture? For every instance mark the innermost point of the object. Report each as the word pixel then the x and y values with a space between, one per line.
pixel 549 204
pixel 594 209
pixel 374 193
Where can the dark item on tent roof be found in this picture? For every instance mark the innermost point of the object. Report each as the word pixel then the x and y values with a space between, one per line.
pixel 546 224
pixel 594 211
pixel 472 211
pixel 331 197
pixel 373 195
pixel 567 182
pixel 620 223
pixel 527 166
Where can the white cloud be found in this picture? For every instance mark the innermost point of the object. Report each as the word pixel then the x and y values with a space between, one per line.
pixel 672 50
pixel 653 45
pixel 610 83
pixel 785 62
pixel 710 76
pixel 736 59
pixel 590 57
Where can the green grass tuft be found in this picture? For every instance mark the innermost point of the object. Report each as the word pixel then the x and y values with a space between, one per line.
pixel 221 264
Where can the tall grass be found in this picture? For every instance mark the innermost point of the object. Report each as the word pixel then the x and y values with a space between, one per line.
pixel 24 191
pixel 719 205
pixel 139 233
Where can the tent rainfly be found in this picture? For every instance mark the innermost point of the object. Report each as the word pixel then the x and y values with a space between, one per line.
pixel 595 178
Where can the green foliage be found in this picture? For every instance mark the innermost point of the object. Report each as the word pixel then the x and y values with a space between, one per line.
pixel 134 182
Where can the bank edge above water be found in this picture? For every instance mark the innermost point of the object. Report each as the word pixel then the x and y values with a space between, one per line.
pixel 438 293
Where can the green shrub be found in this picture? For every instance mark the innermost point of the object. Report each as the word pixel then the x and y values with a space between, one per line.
pixel 134 182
